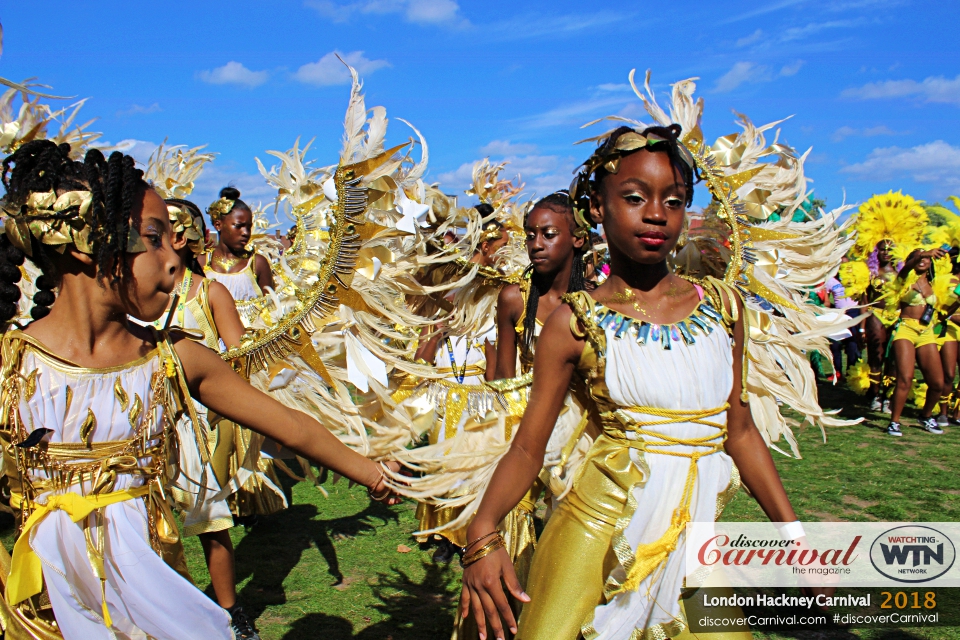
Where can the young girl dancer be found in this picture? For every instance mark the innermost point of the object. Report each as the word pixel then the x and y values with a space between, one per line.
pixel 657 395
pixel 206 306
pixel 89 403
pixel 246 275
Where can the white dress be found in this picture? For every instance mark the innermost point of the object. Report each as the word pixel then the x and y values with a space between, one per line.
pixel 673 374
pixel 242 285
pixel 144 595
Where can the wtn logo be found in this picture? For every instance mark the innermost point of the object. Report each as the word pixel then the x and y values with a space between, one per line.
pixel 912 553
pixel 899 554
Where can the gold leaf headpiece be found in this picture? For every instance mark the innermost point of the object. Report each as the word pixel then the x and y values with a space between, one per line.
pixel 608 157
pixel 59 221
pixel 184 221
pixel 220 208
pixel 491 231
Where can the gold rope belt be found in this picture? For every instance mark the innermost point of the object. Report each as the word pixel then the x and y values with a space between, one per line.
pixel 649 557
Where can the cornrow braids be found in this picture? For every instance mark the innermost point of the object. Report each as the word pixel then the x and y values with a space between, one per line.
pixel 115 187
pixel 561 203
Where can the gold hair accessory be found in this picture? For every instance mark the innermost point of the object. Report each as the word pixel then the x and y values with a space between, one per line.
pixel 59 221
pixel 220 208
pixel 183 221
pixel 491 231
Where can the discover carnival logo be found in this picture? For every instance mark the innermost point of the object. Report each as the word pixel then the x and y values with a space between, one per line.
pixel 912 553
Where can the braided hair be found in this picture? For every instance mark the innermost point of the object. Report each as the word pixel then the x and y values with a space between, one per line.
pixel 561 203
pixel 194 262
pixel 116 186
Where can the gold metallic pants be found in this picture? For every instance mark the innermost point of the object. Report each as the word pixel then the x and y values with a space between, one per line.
pixel 573 559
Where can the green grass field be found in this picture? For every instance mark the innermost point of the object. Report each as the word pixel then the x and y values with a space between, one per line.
pixel 334 567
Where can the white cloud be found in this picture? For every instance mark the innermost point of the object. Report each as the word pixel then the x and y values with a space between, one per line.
pixel 506 148
pixel 750 39
pixel 935 163
pixel 529 26
pixel 431 11
pixel 235 73
pixel 541 174
pixel 328 70
pixel 935 89
pixel 869 132
pixel 139 109
pixel 792 69
pixel 799 33
pixel 139 149
pixel 612 87
pixel 740 73
pixel 576 113
pixel 445 12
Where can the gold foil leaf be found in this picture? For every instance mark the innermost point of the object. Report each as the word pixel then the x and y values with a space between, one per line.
pixel 87 428
pixel 30 387
pixel 67 402
pixel 121 395
pixel 135 411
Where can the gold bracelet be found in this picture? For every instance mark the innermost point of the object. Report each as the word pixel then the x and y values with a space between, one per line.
pixel 379 480
pixel 485 550
pixel 476 540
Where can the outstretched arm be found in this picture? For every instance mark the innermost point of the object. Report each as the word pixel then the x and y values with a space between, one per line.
pixel 215 384
pixel 482 591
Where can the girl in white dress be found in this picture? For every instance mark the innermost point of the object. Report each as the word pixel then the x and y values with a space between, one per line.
pixel 89 404
pixel 663 358
pixel 245 274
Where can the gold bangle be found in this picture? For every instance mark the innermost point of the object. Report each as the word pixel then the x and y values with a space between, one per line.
pixel 485 550
pixel 480 555
pixel 382 478
pixel 476 540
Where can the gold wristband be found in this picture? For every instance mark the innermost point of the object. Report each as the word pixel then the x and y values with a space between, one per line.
pixel 476 540
pixel 382 477
pixel 482 552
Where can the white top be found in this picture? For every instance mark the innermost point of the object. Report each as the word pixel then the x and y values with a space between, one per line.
pixel 145 596
pixel 242 285
pixel 685 377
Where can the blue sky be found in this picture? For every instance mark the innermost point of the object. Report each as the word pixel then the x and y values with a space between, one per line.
pixel 873 85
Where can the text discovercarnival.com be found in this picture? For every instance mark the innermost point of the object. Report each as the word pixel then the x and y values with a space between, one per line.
pixel 887 575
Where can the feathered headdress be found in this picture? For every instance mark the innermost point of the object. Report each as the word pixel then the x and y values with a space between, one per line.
pixel 892 216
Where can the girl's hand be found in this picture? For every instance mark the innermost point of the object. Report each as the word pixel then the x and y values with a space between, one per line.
pixel 933 254
pixel 379 491
pixel 483 593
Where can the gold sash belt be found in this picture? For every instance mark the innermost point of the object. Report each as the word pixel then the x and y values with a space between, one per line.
pixel 649 557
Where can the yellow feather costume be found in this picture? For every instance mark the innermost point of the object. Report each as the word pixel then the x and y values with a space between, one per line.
pixel 891 216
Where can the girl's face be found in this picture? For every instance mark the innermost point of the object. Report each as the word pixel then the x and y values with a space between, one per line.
pixel 147 293
pixel 550 240
pixel 923 266
pixel 642 207
pixel 235 229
